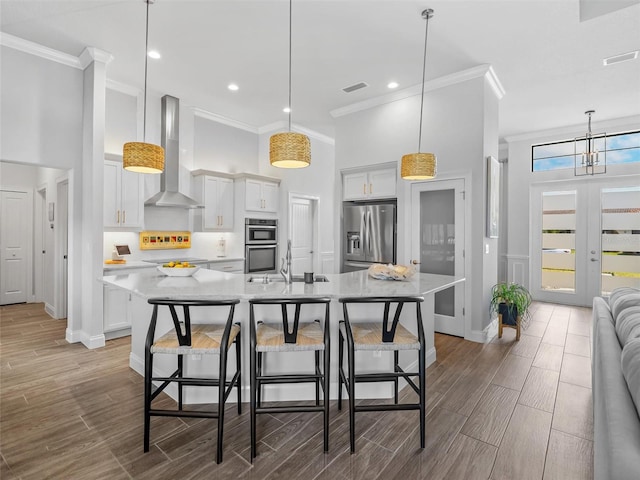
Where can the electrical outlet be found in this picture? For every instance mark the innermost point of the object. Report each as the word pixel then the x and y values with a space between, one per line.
pixel 377 354
pixel 196 357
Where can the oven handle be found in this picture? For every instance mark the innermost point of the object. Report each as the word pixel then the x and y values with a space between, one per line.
pixel 261 227
pixel 253 247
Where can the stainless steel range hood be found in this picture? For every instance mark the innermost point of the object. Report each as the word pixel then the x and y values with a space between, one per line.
pixel 169 196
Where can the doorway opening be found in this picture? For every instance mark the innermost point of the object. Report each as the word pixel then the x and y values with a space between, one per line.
pixel 303 232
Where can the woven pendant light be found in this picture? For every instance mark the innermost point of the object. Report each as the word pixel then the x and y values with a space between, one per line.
pixel 142 157
pixel 289 149
pixel 420 166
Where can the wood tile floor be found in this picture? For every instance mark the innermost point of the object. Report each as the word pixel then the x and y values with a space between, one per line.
pixel 504 410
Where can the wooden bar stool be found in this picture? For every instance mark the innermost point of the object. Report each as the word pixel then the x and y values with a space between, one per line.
pixel 286 335
pixel 382 334
pixel 192 339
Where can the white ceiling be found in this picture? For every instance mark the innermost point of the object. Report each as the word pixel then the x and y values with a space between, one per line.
pixel 548 61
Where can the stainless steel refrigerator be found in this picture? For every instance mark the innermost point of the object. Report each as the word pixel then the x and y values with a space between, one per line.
pixel 368 234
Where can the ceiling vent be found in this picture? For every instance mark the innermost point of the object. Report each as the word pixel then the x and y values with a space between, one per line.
pixel 620 58
pixel 354 87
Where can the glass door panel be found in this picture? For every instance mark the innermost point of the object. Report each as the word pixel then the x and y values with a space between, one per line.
pixel 558 267
pixel 437 252
pixel 620 239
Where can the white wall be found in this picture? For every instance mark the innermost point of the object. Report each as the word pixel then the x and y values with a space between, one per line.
pixel 316 180
pixel 41 114
pixel 520 179
pixel 460 126
pixel 224 148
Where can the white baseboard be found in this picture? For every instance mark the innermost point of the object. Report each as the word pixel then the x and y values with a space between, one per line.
pixel 72 336
pixel 91 342
pixel 485 335
pixel 50 310
pixel 125 332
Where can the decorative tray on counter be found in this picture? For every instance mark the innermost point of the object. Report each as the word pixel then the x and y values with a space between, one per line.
pixel 391 272
pixel 179 271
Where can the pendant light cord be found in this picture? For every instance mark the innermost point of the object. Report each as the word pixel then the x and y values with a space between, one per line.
pixel 426 15
pixel 146 49
pixel 290 28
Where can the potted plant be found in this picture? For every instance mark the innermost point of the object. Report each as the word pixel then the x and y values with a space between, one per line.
pixel 512 301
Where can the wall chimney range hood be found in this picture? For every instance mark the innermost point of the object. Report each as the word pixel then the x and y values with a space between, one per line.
pixel 169 196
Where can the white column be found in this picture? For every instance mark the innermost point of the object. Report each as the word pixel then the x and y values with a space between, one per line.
pixel 87 261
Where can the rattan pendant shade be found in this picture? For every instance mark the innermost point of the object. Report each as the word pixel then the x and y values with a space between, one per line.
pixel 289 150
pixel 142 157
pixel 420 166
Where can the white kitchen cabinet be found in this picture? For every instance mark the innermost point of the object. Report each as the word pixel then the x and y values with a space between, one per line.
pixel 230 266
pixel 123 197
pixel 369 184
pixel 261 196
pixel 217 195
pixel 115 310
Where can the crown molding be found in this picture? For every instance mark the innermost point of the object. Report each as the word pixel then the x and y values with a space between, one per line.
pixel 123 88
pixel 93 54
pixel 283 125
pixel 624 123
pixel 38 50
pixel 479 71
pixel 214 117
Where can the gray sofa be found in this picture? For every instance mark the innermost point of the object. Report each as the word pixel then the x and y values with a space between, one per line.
pixel 616 385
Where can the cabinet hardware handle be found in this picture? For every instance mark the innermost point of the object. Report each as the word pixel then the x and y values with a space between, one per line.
pixel 364 188
pixel 124 217
pixel 415 262
pixel 118 214
pixel 370 188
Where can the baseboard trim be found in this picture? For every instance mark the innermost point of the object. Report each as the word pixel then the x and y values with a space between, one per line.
pixel 94 341
pixel 485 335
pixel 72 336
pixel 50 310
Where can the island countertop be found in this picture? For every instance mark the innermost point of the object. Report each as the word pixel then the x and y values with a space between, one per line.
pixel 209 284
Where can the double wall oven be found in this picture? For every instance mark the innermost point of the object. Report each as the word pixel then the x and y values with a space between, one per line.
pixel 260 245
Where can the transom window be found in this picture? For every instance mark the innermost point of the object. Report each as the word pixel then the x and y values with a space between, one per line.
pixel 620 148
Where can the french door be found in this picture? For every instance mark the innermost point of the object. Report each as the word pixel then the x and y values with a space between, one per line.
pixel 437 245
pixel 585 238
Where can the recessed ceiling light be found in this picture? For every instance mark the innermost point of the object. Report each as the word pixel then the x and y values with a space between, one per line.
pixel 154 54
pixel 623 57
pixel 392 85
pixel 286 109
pixel 233 87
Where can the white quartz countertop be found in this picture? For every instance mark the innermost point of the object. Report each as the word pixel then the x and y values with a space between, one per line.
pixel 209 284
pixel 113 268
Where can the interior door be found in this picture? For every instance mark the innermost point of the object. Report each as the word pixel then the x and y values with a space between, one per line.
pixel 63 250
pixel 438 245
pixel 586 238
pixel 14 230
pixel 302 235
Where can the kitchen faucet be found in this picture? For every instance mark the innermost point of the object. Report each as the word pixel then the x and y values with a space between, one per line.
pixel 286 272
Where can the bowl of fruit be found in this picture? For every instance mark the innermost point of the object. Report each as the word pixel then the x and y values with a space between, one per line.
pixel 178 269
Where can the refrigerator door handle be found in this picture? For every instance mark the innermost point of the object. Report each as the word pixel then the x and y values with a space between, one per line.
pixel 368 225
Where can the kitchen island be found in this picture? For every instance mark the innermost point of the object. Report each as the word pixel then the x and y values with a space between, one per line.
pixel 207 284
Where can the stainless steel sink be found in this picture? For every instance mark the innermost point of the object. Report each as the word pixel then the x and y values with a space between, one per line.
pixel 279 279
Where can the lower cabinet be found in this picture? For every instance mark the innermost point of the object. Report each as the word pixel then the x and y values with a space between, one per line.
pixel 115 312
pixel 231 266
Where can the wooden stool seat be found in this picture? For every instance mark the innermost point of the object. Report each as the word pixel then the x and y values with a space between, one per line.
pixel 270 338
pixel 368 336
pixel 205 340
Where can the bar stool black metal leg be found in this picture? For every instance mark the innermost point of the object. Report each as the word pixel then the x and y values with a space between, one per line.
pixel 253 393
pixel 395 382
pixel 180 375
pixel 148 369
pixel 423 394
pixel 340 373
pixel 258 384
pixel 221 394
pixel 239 370
pixel 327 360
pixel 317 362
pixel 352 402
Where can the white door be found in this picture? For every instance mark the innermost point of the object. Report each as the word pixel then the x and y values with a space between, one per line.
pixel 437 245
pixel 14 232
pixel 62 250
pixel 585 238
pixel 302 234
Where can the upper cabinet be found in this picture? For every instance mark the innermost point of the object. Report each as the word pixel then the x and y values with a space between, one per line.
pixel 216 193
pixel 369 184
pixel 123 197
pixel 259 194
